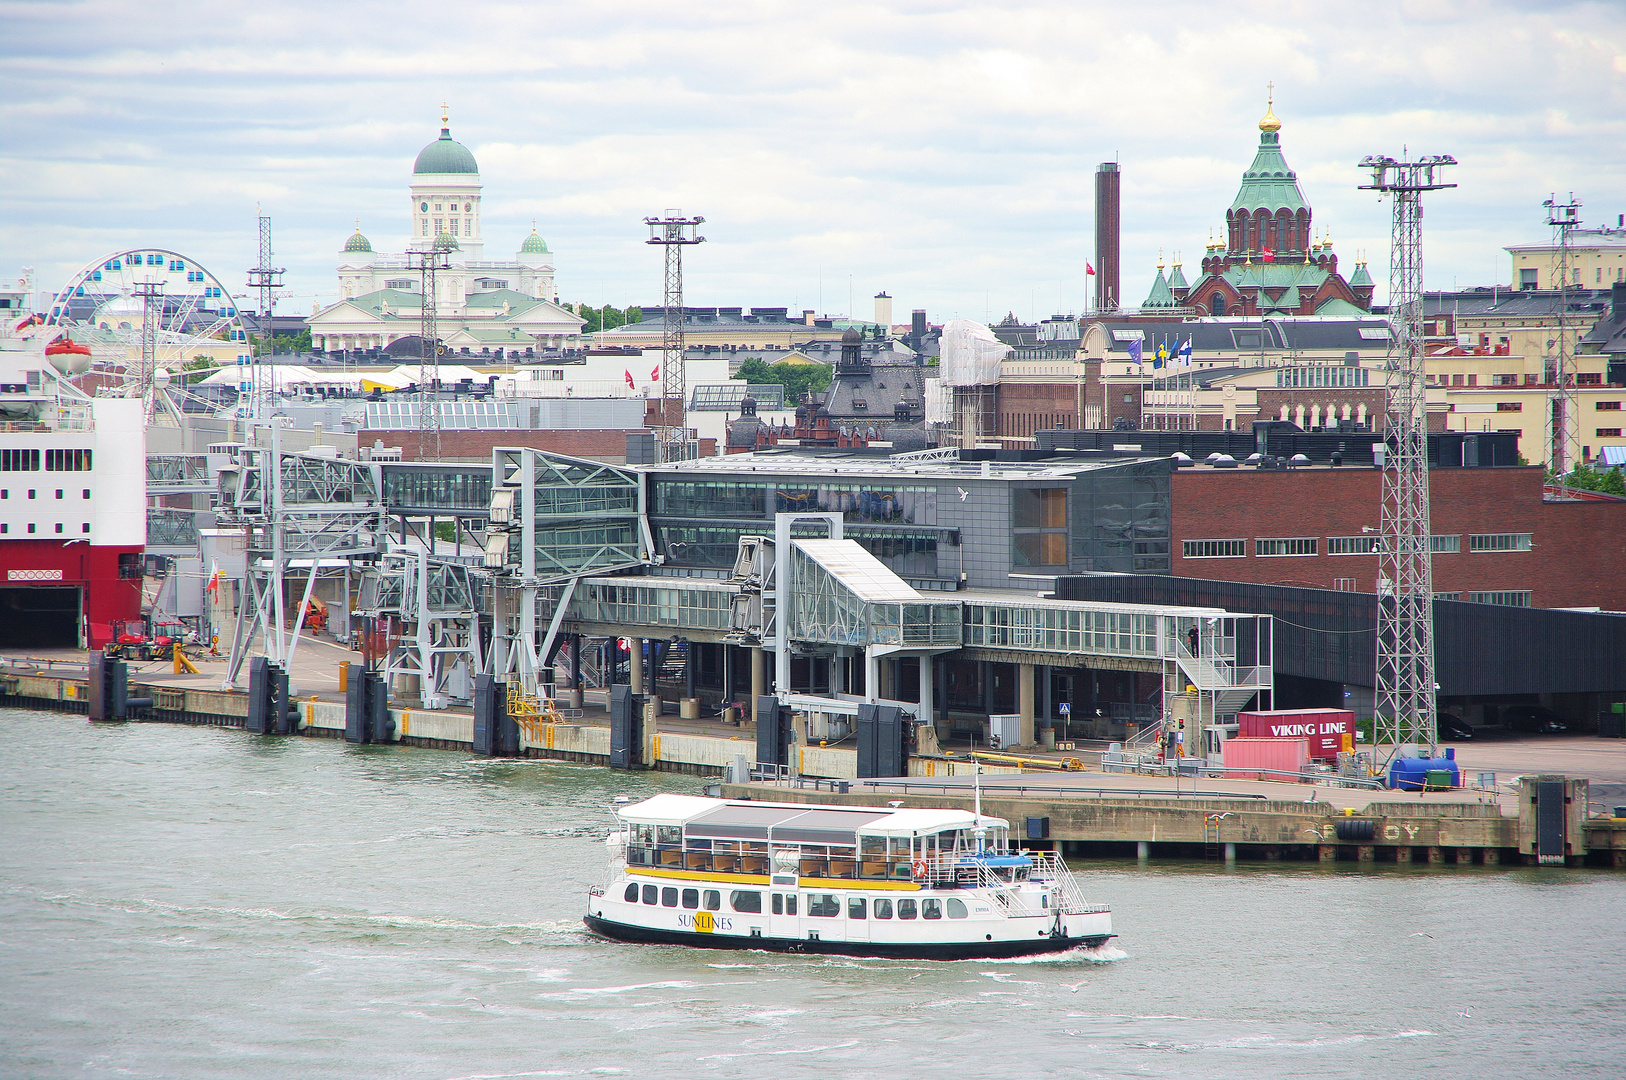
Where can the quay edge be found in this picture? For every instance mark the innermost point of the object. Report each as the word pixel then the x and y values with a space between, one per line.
pixel 1401 832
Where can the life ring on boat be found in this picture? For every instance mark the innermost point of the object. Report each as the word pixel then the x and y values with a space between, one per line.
pixel 919 868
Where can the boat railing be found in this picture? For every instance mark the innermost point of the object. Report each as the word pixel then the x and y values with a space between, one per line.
pixel 1047 869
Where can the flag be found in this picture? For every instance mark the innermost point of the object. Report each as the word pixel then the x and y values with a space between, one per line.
pixel 214 577
pixel 1089 271
pixel 630 384
pixel 1134 352
pixel 653 375
pixel 1185 352
pixel 1269 255
pixel 1162 355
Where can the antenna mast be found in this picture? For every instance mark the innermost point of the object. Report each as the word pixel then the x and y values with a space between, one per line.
pixel 673 231
pixel 1406 707
pixel 1564 419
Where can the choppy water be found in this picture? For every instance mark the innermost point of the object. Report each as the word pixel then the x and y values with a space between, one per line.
pixel 179 902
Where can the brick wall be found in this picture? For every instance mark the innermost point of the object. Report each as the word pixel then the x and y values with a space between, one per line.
pixel 1028 407
pixel 1575 561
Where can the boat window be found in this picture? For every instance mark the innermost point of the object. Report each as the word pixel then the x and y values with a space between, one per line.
pixel 855 907
pixel 872 845
pixel 651 894
pixel 956 908
pixel 668 897
pixel 790 903
pixel 883 909
pixel 691 898
pixel 906 909
pixel 632 894
pixel 714 900
pixel 669 834
pixel 931 908
pixel 900 847
pixel 746 901
pixel 778 903
pixel 823 906
pixel 1044 901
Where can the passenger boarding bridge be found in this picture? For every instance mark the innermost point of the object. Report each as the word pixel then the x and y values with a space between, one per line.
pixel 572 558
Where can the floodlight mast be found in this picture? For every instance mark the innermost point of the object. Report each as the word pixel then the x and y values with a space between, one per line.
pixel 1406 707
pixel 674 232
pixel 429 264
pixel 1563 415
pixel 266 279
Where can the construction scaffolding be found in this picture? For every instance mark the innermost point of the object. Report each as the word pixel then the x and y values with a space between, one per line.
pixel 1406 708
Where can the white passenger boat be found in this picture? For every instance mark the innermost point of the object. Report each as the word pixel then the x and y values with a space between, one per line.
pixel 862 881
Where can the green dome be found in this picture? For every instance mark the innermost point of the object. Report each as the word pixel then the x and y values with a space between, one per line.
pixel 445 155
pixel 358 242
pixel 534 245
pixel 446 242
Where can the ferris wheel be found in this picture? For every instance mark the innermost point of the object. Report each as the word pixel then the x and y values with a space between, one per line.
pixel 152 312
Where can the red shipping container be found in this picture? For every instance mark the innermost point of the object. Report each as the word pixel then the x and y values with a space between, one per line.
pixel 1243 754
pixel 1324 728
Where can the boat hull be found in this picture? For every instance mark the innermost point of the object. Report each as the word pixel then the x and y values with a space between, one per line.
pixel 958 950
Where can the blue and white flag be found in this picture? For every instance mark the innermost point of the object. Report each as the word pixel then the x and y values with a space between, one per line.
pixel 1134 352
pixel 1185 352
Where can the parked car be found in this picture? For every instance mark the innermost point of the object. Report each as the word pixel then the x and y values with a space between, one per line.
pixel 1454 728
pixel 1534 719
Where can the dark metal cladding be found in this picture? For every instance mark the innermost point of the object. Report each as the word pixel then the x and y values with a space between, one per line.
pixel 626 728
pixel 355 708
pixel 1479 649
pixel 96 686
pixel 1551 821
pixel 381 724
pixel 487 693
pixel 773 734
pixel 258 720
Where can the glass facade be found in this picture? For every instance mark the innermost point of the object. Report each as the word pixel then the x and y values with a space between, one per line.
pixel 638 605
pixel 1000 625
pixel 824 609
pixel 876 504
pixel 1119 519
pixel 411 488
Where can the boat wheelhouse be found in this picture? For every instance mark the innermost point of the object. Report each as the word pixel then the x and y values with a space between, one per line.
pixel 868 881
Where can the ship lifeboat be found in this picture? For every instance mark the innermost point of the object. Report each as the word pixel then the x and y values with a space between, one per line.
pixel 68 356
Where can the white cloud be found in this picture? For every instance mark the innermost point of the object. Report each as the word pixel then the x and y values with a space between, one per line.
pixel 943 153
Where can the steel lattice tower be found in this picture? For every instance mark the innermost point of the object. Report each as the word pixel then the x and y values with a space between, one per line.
pixel 673 231
pixel 1564 418
pixel 429 264
pixel 1405 647
pixel 151 294
pixel 267 279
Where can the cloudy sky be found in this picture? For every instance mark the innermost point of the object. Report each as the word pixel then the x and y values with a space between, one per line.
pixel 942 152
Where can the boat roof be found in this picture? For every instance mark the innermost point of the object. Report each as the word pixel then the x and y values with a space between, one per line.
pixel 726 819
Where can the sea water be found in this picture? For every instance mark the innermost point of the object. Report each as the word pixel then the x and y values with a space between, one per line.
pixel 197 902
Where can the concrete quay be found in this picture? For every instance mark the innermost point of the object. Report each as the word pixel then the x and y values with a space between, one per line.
pixel 1085 814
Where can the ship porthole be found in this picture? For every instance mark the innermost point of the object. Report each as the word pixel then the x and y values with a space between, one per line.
pixel 988 937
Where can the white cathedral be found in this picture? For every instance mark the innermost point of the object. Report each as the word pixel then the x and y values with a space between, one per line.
pixel 480 306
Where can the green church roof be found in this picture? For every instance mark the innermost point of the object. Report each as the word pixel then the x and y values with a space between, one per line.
pixel 534 244
pixel 1177 278
pixel 445 155
pixel 1269 184
pixel 1360 276
pixel 358 242
pixel 1160 296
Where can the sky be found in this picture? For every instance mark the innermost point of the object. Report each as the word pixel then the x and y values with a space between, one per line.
pixel 942 152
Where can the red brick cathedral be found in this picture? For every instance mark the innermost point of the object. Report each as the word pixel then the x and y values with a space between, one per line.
pixel 1269 264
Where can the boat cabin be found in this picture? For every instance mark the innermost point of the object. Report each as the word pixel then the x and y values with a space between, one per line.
pixel 685 832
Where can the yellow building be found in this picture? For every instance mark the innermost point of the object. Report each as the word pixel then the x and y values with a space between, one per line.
pixel 1525 409
pixel 1597 260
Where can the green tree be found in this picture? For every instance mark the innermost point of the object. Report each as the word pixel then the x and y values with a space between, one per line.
pixel 606 317
pixel 797 379
pixel 300 342
pixel 200 362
